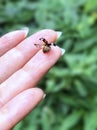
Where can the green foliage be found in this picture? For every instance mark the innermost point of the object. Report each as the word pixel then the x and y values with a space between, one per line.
pixel 71 120
pixel 90 121
pixel 71 85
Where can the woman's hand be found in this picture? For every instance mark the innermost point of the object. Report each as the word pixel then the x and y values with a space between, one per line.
pixel 22 65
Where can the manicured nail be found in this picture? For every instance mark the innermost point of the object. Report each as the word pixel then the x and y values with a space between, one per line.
pixel 44 96
pixel 62 51
pixel 26 30
pixel 58 34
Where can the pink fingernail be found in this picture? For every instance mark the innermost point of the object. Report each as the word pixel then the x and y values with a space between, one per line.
pixel 26 30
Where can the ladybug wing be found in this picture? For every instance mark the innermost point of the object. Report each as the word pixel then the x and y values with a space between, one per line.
pixel 38 45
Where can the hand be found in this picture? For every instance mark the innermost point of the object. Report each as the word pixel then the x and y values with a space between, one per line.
pixel 22 65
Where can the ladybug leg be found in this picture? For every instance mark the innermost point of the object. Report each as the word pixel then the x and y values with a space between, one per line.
pixel 54 44
pixel 44 40
pixel 49 44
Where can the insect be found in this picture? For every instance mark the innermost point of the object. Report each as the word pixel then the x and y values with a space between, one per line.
pixel 46 47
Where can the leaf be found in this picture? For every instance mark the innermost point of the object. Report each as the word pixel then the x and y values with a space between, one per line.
pixel 80 87
pixel 90 121
pixel 85 44
pixel 90 5
pixel 71 120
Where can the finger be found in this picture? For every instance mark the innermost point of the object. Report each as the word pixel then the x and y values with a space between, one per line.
pixel 16 109
pixel 10 40
pixel 29 75
pixel 17 57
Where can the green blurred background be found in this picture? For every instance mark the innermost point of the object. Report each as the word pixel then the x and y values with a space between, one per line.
pixel 71 85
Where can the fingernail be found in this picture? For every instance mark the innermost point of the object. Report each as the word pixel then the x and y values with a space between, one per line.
pixel 59 33
pixel 44 96
pixel 62 51
pixel 26 30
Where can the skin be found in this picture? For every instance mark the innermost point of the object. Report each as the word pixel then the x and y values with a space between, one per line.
pixel 22 66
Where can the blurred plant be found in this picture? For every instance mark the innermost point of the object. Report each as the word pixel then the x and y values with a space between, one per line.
pixel 71 86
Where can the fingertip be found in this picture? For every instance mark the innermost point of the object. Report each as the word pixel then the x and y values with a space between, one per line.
pixel 39 94
pixel 11 40
pixel 49 34
pixel 16 34
pixel 57 51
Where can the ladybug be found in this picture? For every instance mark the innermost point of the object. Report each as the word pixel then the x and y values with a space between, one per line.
pixel 46 46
